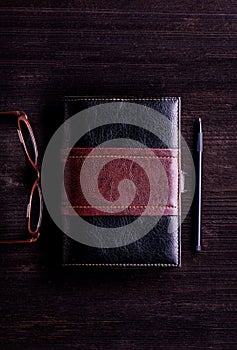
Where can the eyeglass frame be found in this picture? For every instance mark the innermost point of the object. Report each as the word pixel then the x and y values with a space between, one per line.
pixel 21 116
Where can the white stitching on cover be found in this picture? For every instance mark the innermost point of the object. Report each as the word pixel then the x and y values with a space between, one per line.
pixel 120 264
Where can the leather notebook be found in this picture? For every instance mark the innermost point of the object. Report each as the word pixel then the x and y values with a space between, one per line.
pixel 121 205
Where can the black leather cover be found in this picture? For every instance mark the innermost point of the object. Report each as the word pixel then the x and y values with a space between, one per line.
pixel 159 247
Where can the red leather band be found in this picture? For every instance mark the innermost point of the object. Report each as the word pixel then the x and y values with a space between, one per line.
pixel 121 181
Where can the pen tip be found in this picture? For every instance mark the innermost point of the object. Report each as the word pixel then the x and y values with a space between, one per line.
pixel 199 124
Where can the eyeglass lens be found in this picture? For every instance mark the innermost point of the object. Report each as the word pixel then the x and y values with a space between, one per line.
pixel 36 209
pixel 29 140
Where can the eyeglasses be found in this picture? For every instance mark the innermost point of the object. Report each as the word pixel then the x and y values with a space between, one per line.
pixel 35 206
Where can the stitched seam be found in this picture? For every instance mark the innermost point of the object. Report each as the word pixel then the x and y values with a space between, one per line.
pixel 178 253
pixel 121 99
pixel 124 148
pixel 178 163
pixel 64 251
pixel 119 156
pixel 120 206
pixel 120 264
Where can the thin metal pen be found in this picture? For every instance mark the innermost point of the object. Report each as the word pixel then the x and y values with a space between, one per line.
pixel 199 184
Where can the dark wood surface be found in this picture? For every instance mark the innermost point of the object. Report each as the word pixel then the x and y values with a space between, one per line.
pixel 140 48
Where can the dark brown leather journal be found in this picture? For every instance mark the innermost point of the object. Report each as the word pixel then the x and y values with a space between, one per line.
pixel 121 206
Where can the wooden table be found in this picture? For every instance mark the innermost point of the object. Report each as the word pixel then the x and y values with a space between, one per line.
pixel 121 48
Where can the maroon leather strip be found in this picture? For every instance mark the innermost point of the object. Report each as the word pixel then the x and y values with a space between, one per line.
pixel 121 181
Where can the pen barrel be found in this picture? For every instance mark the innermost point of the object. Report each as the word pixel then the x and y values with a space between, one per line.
pixel 199 191
pixel 199 142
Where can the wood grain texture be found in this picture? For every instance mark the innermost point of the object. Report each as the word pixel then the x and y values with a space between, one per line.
pixel 153 48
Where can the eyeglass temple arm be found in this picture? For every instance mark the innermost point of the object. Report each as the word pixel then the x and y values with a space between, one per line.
pixel 15 113
pixel 20 241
